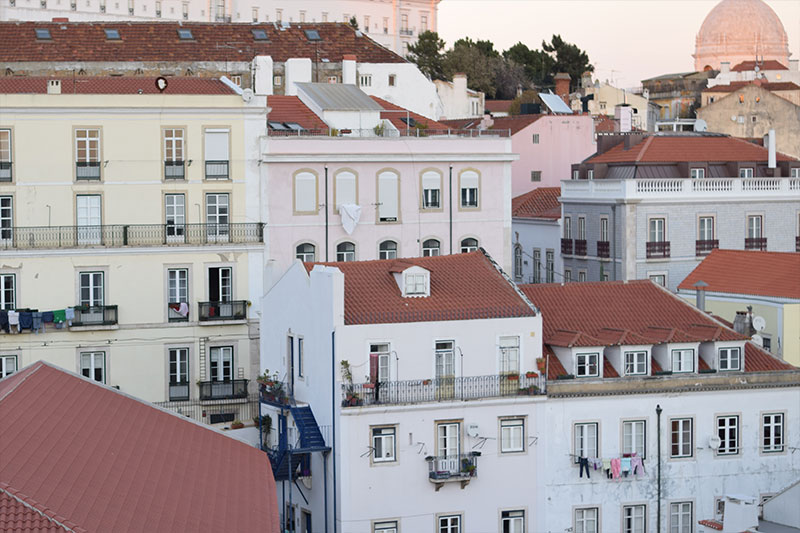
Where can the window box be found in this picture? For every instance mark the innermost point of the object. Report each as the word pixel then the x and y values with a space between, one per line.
pixel 566 246
pixel 531 375
pixel 580 247
pixel 512 377
pixel 657 250
pixel 755 243
pixel 603 249
pixel 705 247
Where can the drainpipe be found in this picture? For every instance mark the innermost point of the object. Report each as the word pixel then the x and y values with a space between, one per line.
pixel 326 213
pixel 658 507
pixel 451 209
pixel 612 236
pixel 325 486
pixel 333 422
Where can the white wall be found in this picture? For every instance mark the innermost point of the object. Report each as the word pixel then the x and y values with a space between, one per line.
pixel 412 90
pixel 783 508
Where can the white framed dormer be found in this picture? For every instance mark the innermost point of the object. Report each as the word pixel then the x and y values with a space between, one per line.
pixel 678 357
pixel 630 360
pixel 723 356
pixel 414 282
pixel 587 361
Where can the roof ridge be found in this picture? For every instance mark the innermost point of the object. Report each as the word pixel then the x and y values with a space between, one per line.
pixel 513 285
pixel 34 367
pixel 30 503
pixel 644 148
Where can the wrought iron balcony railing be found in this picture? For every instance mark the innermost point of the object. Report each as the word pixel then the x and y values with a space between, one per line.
pixel 755 243
pixel 705 247
pixel 87 170
pixel 566 246
pixel 580 246
pixel 95 315
pixel 657 249
pixel 41 237
pixel 220 390
pixel 5 171
pixel 461 467
pixel 274 392
pixel 174 170
pixel 217 170
pixel 178 391
pixel 442 389
pixel 232 310
pixel 603 249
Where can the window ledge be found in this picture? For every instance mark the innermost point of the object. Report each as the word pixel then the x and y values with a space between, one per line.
pixel 94 328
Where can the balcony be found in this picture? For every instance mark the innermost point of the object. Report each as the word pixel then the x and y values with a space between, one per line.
pixel 273 392
pixel 174 170
pixel 87 170
pixel 178 391
pixel 5 171
pixel 580 247
pixel 217 170
pixel 95 315
pixel 705 247
pixel 444 389
pixel 566 246
pixel 389 132
pixel 406 31
pixel 603 249
pixel 657 250
pixel 223 390
pixel 462 468
pixel 232 310
pixel 111 236
pixel 756 243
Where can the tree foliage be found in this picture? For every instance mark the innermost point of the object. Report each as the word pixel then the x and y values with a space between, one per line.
pixel 428 54
pixel 471 58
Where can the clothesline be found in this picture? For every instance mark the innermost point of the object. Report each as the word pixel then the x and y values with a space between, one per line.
pixel 13 322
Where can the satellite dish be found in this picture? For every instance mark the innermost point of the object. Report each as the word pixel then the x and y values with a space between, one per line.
pixel 700 125
pixel 472 430
pixel 759 323
pixel 247 95
pixel 161 83
pixel 758 339
pixel 714 442
pixel 733 118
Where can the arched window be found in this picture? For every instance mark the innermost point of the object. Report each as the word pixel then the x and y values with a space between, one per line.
pixel 469 245
pixel 306 252
pixel 346 251
pixel 388 250
pixel 518 262
pixel 431 248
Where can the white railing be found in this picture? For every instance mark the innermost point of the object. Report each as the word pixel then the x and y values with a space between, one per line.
pixel 761 184
pixel 658 186
pixel 681 188
pixel 712 185
pixel 794 184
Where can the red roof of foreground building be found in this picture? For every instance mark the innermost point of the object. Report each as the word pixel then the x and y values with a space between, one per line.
pixel 767 86
pixel 394 118
pixel 541 202
pixel 466 286
pixel 159 41
pixel 114 85
pixel 513 123
pixel 676 148
pixel 769 64
pixel 755 273
pixel 292 109
pixel 497 106
pixel 91 458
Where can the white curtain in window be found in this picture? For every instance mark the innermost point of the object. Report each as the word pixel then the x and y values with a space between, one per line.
pixel 469 180
pixel 387 196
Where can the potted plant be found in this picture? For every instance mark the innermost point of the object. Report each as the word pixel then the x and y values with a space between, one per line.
pixel 531 374
pixel 426 382
pixel 512 377
pixel 541 364
pixel 468 467
pixel 237 424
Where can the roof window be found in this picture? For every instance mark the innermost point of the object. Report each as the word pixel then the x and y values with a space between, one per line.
pixel 112 35
pixel 409 121
pixel 259 34
pixel 274 125
pixel 312 35
pixel 414 281
pixel 42 33
pixel 293 126
pixel 185 34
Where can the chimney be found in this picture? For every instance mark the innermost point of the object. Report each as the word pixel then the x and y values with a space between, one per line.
pixel 794 64
pixel 623 113
pixel 725 67
pixel 296 70
pixel 562 86
pixel 349 69
pixel 53 86
pixel 262 66
pixel 771 148
pixel 700 294
pixel 459 83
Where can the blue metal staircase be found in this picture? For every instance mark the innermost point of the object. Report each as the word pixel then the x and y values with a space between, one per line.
pixel 311 439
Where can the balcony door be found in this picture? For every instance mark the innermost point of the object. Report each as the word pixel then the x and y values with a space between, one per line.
pixel 509 364
pixel 217 217
pixel 221 371
pixel 448 446
pixel 175 217
pixel 445 369
pixel 6 218
pixel 89 219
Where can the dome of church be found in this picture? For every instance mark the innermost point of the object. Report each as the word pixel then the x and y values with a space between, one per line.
pixel 740 30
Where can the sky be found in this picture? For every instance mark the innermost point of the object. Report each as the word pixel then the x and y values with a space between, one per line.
pixel 627 40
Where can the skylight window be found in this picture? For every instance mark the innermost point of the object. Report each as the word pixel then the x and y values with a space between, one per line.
pixel 273 125
pixel 312 35
pixel 409 120
pixel 293 126
pixel 259 34
pixel 42 33
pixel 185 34
pixel 112 35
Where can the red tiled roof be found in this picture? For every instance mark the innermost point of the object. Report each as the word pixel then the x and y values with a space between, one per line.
pixel 713 524
pixel 292 109
pixel 114 85
pixel 769 64
pixel 88 456
pixel 768 86
pixel 495 106
pixel 670 149
pixel 640 307
pixel 748 272
pixel 462 123
pixel 158 41
pixel 541 202
pixel 462 287
pixel 515 123
pixel 608 369
pixel 394 118
pixel 756 359
pixel 20 518
pixel 554 366
pixel 654 366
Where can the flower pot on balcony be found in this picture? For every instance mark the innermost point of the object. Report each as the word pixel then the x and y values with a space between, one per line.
pixel 541 364
pixel 531 375
pixel 237 424
pixel 512 377
pixel 368 385
pixel 426 382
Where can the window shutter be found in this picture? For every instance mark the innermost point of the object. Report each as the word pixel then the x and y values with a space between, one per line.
pixel 469 180
pixel 387 196
pixel 345 188
pixel 305 192
pixel 216 145
pixel 431 180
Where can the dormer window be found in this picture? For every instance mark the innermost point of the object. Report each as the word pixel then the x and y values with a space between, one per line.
pixel 635 363
pixel 586 365
pixel 730 359
pixel 259 34
pixel 413 281
pixel 416 284
pixel 683 360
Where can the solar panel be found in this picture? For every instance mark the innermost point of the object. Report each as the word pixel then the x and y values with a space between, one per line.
pixel 555 103
pixel 293 126
pixel 276 125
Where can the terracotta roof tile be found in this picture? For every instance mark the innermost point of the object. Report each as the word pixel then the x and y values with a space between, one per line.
pixel 554 366
pixel 462 287
pixel 515 123
pixel 114 85
pixel 754 273
pixel 495 106
pixel 20 518
pixel 756 359
pixel 87 455
pixel 769 64
pixel 713 524
pixel 768 86
pixel 608 369
pixel 158 41
pixel 638 307
pixel 395 118
pixel 541 202
pixel 292 109
pixel 670 149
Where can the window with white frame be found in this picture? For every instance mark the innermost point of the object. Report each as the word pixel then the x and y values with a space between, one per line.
pixel 512 521
pixel 345 188
pixel 518 262
pixel 305 252
pixel 345 251
pixel 509 355
pixel 379 354
pixel 634 435
pixel 795 173
pixel 8 365
pixel 772 432
pixel 387 250
pixel 683 360
pixel 590 174
pixel 697 173
pixel 586 520
pixel 175 216
pixel 388 197
pixel 730 359
pixel 586 364
pixel 8 291
pixel 658 279
pixel 91 288
pixel 217 156
pixel 604 229
pixel 5 155
pixel 680 517
pixel 567 227
pixel 656 233
pixel 576 174
pixel 634 519
pixel 448 524
pixel 217 214
pixel 745 172
pixel 365 80
pixel 385 527
pixel 89 218
pixel 537 265
pixel 705 229
pixel 469 189
pixel 681 437
pixel 549 266
pixel 93 365
pixel 567 275
pixel 305 193
pixel 6 217
pixel 177 289
pixel 512 435
pixel 87 153
pixel 416 283
pixel 469 245
pixel 221 363
pixel 174 153
pixel 581 228
pixel 635 363
pixel 179 373
pixel 728 432
pixel 585 440
pixel 431 248
pixel 301 361
pixel 445 360
pixel 431 190
pixel 581 275
pixel 220 284
pixel 423 23
pixel 754 226
pixel 383 444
